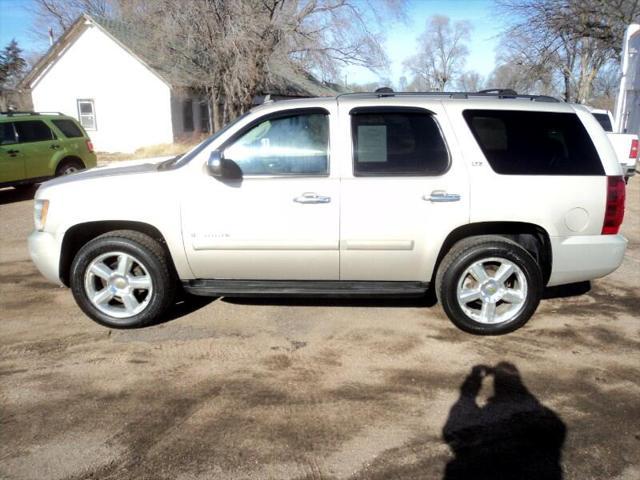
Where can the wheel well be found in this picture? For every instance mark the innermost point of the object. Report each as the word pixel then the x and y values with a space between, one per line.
pixel 70 157
pixel 80 234
pixel 532 238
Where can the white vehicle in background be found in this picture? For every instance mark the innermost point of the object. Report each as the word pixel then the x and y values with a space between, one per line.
pixel 625 144
pixel 486 198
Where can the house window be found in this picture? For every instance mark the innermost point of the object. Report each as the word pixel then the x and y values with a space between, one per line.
pixel 87 114
pixel 187 115
pixel 204 117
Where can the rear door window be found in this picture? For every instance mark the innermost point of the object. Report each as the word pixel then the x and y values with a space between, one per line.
pixel 534 143
pixel 33 131
pixel 68 128
pixel 396 142
pixel 7 134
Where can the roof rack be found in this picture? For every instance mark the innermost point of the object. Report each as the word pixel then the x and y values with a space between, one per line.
pixel 11 113
pixel 501 93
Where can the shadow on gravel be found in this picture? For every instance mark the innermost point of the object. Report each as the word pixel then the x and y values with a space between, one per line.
pixel 12 195
pixel 184 305
pixel 426 300
pixel 512 436
pixel 569 290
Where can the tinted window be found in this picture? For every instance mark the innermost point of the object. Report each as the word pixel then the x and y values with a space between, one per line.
pixel 68 128
pixel 604 121
pixel 7 135
pixel 388 142
pixel 534 143
pixel 33 131
pixel 292 145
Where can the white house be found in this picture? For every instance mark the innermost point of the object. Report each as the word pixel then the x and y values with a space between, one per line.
pixel 105 75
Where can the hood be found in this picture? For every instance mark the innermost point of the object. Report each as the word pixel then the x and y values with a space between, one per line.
pixel 101 172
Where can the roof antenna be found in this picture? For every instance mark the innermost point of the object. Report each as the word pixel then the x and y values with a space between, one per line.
pixel 50 36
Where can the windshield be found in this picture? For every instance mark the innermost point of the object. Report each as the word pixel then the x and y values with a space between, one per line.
pixel 187 157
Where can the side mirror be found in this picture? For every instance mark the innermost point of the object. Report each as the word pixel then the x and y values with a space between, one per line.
pixel 222 168
pixel 214 164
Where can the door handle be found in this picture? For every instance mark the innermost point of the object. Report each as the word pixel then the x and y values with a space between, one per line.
pixel 438 196
pixel 54 147
pixel 311 197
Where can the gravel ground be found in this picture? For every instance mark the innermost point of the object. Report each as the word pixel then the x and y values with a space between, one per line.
pixel 235 389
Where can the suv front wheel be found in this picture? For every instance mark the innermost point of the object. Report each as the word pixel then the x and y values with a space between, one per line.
pixel 489 285
pixel 123 279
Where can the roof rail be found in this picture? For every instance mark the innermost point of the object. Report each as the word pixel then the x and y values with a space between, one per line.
pixel 492 93
pixel 11 113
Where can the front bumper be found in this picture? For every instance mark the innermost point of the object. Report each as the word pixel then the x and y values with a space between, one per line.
pixel 44 249
pixel 580 258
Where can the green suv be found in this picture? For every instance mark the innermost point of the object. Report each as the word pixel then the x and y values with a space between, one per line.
pixel 38 146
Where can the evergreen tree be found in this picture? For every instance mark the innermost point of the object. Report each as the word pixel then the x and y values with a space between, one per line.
pixel 12 65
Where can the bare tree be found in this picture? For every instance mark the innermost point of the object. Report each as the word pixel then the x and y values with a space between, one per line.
pixel 442 52
pixel 57 15
pixel 576 37
pixel 230 48
pixel 470 81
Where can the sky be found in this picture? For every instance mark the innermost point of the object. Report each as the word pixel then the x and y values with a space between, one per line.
pixel 401 42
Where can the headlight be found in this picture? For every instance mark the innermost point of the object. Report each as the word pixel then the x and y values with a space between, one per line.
pixel 40 210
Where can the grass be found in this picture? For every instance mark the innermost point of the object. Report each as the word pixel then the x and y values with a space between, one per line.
pixel 160 150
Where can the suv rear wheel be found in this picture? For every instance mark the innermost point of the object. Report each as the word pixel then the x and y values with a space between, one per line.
pixel 69 166
pixel 489 285
pixel 123 279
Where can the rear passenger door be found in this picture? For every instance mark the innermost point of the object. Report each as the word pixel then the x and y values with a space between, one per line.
pixel 11 161
pixel 404 190
pixel 37 144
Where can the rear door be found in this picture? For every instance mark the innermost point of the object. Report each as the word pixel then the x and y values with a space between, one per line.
pixel 11 160
pixel 37 144
pixel 404 190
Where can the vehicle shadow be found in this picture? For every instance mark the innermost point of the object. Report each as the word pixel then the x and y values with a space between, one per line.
pixel 13 195
pixel 427 300
pixel 569 290
pixel 183 305
pixel 512 436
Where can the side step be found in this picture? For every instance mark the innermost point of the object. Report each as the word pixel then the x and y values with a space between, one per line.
pixel 303 288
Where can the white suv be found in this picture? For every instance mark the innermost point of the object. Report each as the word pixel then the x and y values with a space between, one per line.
pixel 484 198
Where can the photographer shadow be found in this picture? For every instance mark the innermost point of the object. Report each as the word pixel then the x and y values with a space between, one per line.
pixel 512 436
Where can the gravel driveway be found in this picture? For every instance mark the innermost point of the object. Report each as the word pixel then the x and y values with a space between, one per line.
pixel 233 389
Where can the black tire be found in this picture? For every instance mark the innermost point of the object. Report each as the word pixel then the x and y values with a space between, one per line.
pixel 69 166
pixel 471 250
pixel 145 249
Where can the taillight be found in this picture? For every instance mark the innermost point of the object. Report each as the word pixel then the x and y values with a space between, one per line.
pixel 614 212
pixel 89 146
pixel 633 153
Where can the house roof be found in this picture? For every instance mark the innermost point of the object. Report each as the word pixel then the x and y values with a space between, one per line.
pixel 283 80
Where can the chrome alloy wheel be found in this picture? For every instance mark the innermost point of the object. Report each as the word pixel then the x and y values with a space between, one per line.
pixel 70 169
pixel 492 290
pixel 118 284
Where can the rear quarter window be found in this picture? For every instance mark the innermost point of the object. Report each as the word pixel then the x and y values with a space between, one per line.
pixel 534 143
pixel 68 128
pixel 604 121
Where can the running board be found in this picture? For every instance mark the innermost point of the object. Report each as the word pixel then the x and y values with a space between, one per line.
pixel 303 288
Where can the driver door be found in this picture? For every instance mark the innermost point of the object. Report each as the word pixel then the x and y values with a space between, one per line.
pixel 280 220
